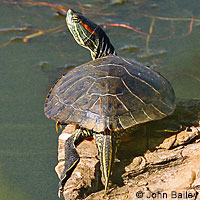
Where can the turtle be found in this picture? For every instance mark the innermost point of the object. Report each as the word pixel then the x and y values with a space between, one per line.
pixel 105 98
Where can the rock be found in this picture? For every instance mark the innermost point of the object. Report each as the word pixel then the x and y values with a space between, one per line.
pixel 179 176
pixel 169 171
pixel 137 164
pixel 181 138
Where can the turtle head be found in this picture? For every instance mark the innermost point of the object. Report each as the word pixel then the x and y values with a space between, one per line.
pixel 89 35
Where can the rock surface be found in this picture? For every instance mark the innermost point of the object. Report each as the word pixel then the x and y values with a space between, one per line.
pixel 171 170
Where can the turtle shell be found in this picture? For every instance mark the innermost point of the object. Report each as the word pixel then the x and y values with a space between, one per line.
pixel 110 92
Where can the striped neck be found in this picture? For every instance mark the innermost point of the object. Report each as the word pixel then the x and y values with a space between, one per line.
pixel 89 35
pixel 103 45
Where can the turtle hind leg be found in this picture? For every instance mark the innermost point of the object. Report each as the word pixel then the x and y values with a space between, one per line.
pixel 71 156
pixel 107 146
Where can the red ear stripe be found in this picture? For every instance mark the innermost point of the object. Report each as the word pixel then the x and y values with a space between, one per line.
pixel 88 28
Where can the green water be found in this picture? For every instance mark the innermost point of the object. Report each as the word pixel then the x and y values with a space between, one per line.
pixel 28 144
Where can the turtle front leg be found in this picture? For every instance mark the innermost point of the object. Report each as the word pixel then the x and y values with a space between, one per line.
pixel 71 155
pixel 107 147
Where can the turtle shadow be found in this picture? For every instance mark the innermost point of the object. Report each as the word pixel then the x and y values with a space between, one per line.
pixel 147 137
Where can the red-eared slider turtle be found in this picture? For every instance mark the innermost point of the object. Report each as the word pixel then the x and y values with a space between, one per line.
pixel 105 97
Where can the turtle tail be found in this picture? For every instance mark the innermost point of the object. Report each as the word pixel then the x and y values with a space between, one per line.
pixel 107 146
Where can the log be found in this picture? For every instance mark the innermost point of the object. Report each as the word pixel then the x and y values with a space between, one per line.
pixel 164 161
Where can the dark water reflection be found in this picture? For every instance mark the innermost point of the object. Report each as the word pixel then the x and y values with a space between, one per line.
pixel 28 144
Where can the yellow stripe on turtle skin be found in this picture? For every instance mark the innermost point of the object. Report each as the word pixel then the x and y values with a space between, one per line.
pixel 107 169
pixel 88 38
pixel 81 40
pixel 77 32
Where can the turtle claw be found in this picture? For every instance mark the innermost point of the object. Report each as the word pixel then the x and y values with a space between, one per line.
pixel 60 193
pixel 58 125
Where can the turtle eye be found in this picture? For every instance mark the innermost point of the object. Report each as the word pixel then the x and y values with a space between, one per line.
pixel 75 19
